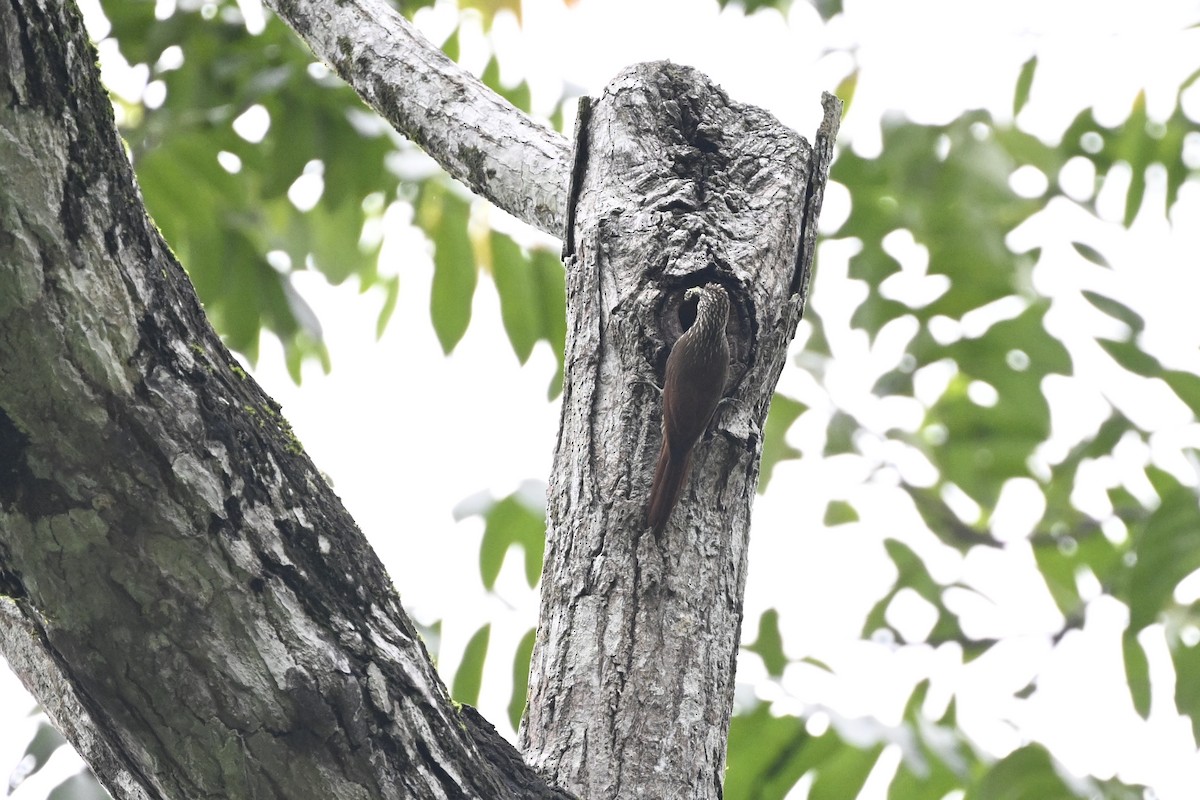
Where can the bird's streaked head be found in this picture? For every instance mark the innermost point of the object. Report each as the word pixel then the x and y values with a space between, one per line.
pixel 711 290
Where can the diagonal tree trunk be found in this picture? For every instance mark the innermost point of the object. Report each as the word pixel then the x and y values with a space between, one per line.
pixel 182 590
pixel 189 600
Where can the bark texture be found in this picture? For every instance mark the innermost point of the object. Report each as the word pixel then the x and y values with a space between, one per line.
pixel 674 186
pixel 185 595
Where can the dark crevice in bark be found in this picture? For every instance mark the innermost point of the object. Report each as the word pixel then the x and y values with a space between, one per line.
pixel 802 273
pixel 578 167
pixel 19 489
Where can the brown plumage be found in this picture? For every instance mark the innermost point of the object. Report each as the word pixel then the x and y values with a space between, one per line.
pixel 694 384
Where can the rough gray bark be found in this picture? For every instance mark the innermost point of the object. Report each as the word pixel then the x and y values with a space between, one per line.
pixel 476 135
pixel 185 595
pixel 675 185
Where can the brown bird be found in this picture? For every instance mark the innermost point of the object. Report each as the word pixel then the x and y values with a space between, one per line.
pixel 694 384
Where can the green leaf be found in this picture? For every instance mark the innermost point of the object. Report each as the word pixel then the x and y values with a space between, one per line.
pixel 516 706
pixel 1132 357
pixel 818 663
pixel 521 677
pixel 1058 573
pixel 765 757
pixel 929 777
pixel 1024 84
pixel 1167 546
pixel 935 182
pixel 1125 504
pixel 894 382
pixel 769 643
pixel 556 118
pixel 222 222
pixel 1116 310
pixel 938 759
pixel 984 446
pixel 508 522
pixel 1186 659
pixel 783 412
pixel 532 291
pixel 1027 773
pixel 1186 386
pixel 550 282
pixel 299 349
pixel 768 754
pixel 840 436
pixel 944 523
pixel 488 9
pixel 451 46
pixel 132 23
pixel 844 772
pixel 454 272
pixel 1060 511
pixel 912 569
pixel 410 7
pixel 1137 143
pixel 751 6
pixel 391 288
pixel 845 91
pixel 1138 151
pixel 1137 672
pixel 335 234
pixel 45 742
pixel 828 9
pixel 469 676
pixel 80 786
pixel 913 574
pixel 1091 254
pixel 816 344
pixel 1170 150
pixel 839 512
pixel 515 283
pixel 1061 557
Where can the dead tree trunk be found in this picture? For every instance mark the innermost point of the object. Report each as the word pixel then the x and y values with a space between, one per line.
pixel 674 186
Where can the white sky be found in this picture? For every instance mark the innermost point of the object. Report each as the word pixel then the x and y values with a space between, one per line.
pixel 406 434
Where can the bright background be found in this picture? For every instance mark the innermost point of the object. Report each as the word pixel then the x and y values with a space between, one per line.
pixel 407 434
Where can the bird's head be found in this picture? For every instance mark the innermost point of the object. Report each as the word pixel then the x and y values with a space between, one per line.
pixel 711 302
pixel 710 290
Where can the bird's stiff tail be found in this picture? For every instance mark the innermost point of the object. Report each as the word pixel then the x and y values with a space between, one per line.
pixel 669 476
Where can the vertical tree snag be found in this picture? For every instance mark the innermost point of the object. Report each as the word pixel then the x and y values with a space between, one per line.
pixel 674 186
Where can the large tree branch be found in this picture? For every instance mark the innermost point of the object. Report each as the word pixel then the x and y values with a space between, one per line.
pixel 189 600
pixel 476 135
